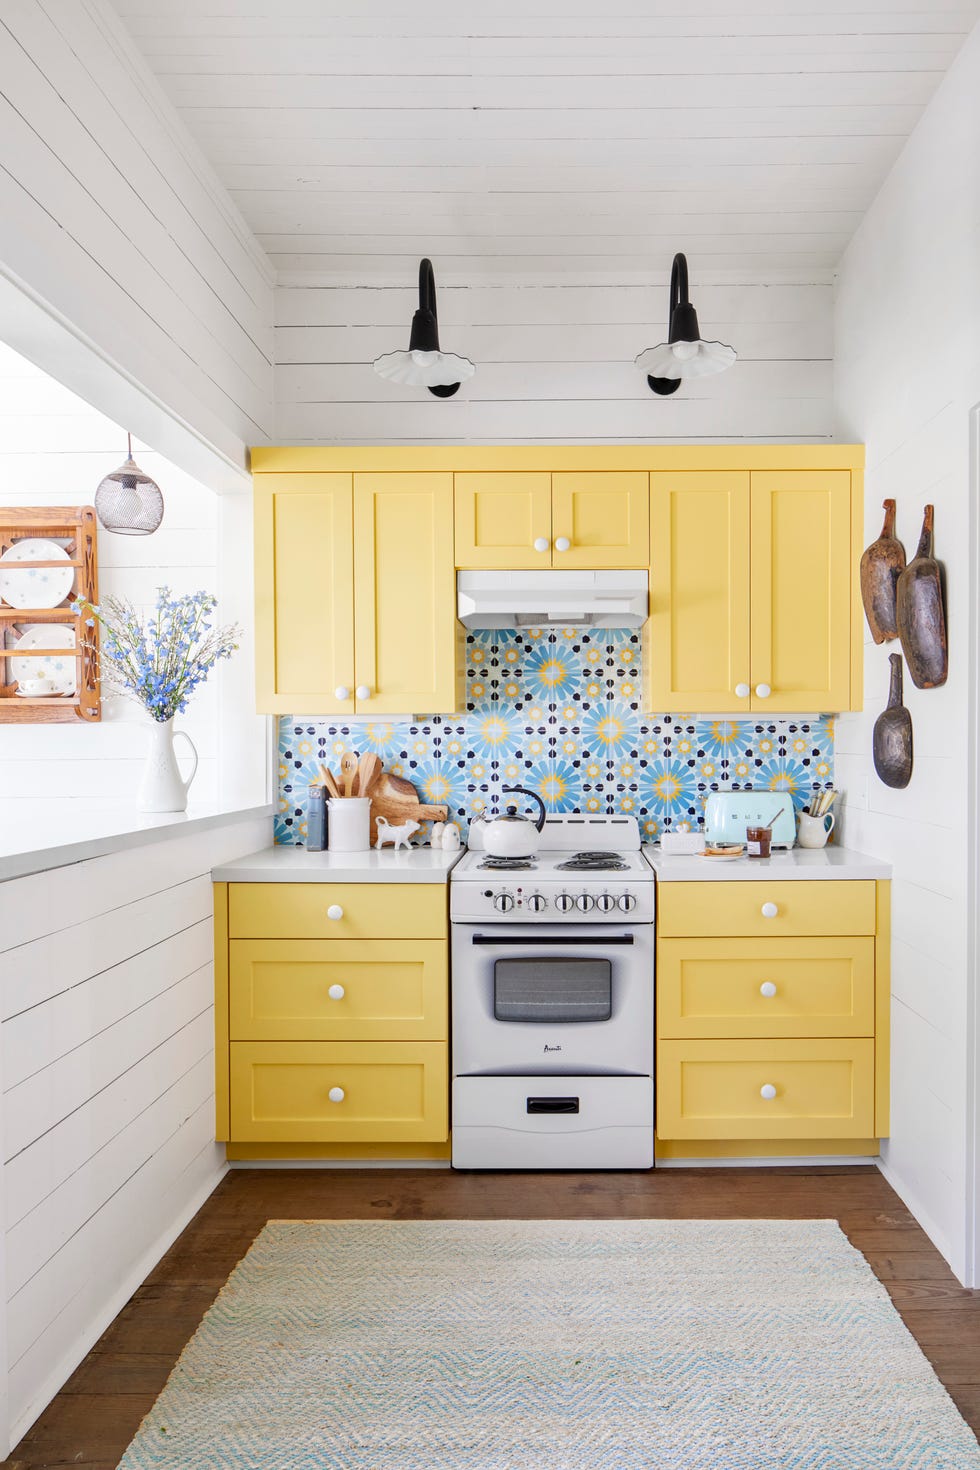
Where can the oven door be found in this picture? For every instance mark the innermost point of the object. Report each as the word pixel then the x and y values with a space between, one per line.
pixel 552 999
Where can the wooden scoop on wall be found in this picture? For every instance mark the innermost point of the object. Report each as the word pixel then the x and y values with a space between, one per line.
pixel 892 739
pixel 881 566
pixel 921 615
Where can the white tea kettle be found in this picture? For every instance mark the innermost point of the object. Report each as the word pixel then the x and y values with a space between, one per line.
pixel 513 835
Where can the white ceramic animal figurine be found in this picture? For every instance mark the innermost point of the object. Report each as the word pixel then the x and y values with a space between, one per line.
pixel 450 837
pixel 399 836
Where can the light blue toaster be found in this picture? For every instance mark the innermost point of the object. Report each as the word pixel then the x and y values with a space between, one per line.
pixel 728 813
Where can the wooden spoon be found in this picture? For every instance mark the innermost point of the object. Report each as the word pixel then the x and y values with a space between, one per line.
pixel 348 770
pixel 368 771
pixel 329 780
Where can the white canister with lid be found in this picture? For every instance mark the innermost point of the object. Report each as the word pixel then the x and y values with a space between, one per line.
pixel 349 824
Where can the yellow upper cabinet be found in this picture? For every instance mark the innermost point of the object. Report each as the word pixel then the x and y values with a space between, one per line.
pixel 801 590
pixel 503 520
pixel 752 592
pixel 572 520
pixel 355 594
pixel 304 593
pixel 600 519
pixel 405 593
pixel 698 648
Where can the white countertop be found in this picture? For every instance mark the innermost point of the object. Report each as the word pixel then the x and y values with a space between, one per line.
pixel 296 865
pixel 52 833
pixel 798 862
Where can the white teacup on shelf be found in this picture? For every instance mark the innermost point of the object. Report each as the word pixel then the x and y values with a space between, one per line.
pixel 35 688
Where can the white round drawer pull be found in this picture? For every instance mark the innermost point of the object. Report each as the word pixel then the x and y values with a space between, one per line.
pixel 337 992
pixel 767 1092
pixel 562 543
pixel 763 691
pixel 342 692
pixel 362 691
pixel 769 911
pixel 541 544
pixel 337 1094
pixel 742 691
pixel 766 988
pixel 335 912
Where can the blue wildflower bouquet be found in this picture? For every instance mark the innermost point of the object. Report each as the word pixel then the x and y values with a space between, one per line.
pixel 159 662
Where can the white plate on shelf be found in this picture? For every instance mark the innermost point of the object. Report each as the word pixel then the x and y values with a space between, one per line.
pixel 27 586
pixel 61 670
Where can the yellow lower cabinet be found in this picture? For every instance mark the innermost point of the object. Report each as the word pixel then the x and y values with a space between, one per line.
pixel 343 1092
pixel 766 1089
pixel 766 987
pixel 356 990
pixel 337 910
pixel 766 910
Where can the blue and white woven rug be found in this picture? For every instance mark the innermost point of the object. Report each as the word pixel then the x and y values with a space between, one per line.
pixel 553 1345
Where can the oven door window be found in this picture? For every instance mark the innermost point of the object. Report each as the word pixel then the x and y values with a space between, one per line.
pixel 552 991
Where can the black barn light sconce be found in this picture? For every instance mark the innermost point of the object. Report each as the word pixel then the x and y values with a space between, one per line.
pixel 424 365
pixel 684 354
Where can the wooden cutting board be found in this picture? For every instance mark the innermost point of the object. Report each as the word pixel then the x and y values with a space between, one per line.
pixel 397 800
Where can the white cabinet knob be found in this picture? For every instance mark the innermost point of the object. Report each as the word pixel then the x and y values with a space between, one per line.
pixel 335 912
pixel 362 691
pixel 766 988
pixel 542 543
pixel 767 1092
pixel 337 992
pixel 763 691
pixel 769 910
pixel 742 691
pixel 342 692
pixel 337 1094
pixel 562 543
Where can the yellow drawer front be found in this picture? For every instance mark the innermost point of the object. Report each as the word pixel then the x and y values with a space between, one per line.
pixel 715 1089
pixel 348 990
pixel 747 908
pixel 361 911
pixel 392 1092
pixel 766 987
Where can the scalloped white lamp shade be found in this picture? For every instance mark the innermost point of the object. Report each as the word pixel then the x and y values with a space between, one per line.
pixel 686 359
pixel 419 369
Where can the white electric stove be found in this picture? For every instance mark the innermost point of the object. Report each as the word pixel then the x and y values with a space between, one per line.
pixel 553 1002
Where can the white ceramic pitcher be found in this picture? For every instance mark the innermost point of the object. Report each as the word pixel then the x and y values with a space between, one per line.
pixel 814 831
pixel 163 788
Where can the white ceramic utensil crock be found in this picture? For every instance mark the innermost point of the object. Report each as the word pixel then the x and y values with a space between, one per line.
pixel 813 831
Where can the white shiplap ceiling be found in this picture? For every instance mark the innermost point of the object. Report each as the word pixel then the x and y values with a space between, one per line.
pixel 550 136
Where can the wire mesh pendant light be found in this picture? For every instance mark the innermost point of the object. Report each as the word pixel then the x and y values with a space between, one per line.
pixel 127 501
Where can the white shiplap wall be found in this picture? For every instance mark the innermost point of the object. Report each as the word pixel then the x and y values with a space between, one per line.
pixel 908 375
pixel 54 450
pixel 554 363
pixel 110 216
pixel 107 1057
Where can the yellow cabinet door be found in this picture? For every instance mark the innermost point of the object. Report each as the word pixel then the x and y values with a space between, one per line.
pixel 359 990
pixel 764 910
pixel 503 520
pixel 766 1089
pixel 405 629
pixel 604 518
pixel 338 911
pixel 801 590
pixel 353 1092
pixel 304 594
pixel 765 987
pixel 698 638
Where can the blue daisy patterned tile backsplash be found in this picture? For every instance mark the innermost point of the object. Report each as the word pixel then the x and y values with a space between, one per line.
pixel 560 713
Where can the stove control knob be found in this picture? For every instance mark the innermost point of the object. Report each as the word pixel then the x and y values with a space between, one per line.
pixel 564 902
pixel 605 903
pixel 585 901
pixel 503 903
pixel 536 902
pixel 627 903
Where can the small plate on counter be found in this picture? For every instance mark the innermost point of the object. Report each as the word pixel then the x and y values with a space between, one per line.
pixel 725 852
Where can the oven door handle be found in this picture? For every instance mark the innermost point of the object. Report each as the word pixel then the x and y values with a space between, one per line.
pixel 549 940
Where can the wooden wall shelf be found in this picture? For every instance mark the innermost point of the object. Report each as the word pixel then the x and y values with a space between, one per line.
pixel 75 527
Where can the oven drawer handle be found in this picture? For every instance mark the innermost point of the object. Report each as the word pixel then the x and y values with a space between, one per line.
pixel 551 941
pixel 552 1104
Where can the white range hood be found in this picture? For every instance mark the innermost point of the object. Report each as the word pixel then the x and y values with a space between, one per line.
pixel 533 599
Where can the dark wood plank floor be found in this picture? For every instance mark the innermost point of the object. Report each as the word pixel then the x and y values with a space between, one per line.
pixel 92 1420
